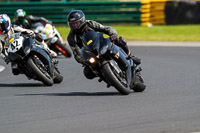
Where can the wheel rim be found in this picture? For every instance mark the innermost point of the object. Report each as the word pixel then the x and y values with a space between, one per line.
pixel 120 77
pixel 41 67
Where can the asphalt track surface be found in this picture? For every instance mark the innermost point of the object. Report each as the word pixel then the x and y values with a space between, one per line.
pixel 170 104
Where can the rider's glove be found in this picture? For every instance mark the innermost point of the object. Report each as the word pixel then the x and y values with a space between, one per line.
pixel 31 34
pixel 114 38
pixel 49 22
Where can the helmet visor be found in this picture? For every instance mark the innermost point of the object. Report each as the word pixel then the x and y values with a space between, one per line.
pixel 20 19
pixel 75 25
pixel 3 26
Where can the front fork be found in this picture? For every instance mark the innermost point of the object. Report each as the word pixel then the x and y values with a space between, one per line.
pixel 124 63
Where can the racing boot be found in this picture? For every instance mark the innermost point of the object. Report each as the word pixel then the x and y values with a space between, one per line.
pixel 15 69
pixel 88 73
pixel 136 60
pixel 52 53
pixel 138 85
pixel 121 42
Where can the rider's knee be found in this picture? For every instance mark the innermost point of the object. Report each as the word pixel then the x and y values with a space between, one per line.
pixel 88 73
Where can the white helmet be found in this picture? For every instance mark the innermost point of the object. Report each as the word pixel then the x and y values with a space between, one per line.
pixel 5 24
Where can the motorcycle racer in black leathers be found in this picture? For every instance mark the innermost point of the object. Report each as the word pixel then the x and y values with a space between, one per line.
pixel 79 25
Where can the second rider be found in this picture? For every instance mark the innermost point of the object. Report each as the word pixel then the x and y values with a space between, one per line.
pixel 79 26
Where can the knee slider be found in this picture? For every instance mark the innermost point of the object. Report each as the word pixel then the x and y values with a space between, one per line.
pixel 88 73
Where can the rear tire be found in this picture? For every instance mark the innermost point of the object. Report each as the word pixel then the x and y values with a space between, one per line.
pixel 113 80
pixel 63 49
pixel 139 85
pixel 58 77
pixel 36 71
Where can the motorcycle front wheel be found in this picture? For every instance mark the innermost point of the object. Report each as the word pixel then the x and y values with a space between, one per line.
pixel 113 80
pixel 39 72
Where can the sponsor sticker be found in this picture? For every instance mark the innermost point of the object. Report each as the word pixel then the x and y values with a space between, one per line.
pixel 117 55
pixel 11 40
pixel 89 42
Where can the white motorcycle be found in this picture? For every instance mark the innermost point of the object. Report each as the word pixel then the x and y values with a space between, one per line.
pixel 52 37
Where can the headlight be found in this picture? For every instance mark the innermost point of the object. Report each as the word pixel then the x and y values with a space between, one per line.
pixel 92 60
pixel 103 50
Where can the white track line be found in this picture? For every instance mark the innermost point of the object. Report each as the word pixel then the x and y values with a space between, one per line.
pixel 163 44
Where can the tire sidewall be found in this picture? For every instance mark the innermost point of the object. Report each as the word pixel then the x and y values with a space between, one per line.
pixel 113 80
pixel 58 77
pixel 69 54
pixel 35 70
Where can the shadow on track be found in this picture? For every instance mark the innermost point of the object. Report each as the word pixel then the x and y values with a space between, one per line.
pixel 22 85
pixel 75 94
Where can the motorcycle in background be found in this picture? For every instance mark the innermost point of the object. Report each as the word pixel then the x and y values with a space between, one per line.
pixel 111 64
pixel 52 37
pixel 32 59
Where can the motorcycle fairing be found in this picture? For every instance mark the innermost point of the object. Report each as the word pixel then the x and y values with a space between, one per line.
pixel 41 51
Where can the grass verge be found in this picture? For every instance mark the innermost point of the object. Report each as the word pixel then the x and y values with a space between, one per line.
pixel 154 33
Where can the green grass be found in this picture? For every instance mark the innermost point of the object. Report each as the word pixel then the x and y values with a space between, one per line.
pixel 154 33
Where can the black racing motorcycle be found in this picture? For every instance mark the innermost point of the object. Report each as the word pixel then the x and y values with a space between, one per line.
pixel 111 64
pixel 32 59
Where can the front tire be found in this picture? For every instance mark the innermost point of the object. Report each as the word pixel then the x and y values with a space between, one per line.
pixel 113 80
pixel 37 72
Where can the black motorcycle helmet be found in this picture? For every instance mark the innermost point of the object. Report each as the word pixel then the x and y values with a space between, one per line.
pixel 76 19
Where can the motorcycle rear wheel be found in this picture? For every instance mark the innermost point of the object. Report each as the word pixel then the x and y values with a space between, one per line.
pixel 138 86
pixel 113 80
pixel 58 77
pixel 63 49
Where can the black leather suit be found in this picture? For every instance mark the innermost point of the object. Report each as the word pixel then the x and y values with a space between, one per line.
pixel 76 43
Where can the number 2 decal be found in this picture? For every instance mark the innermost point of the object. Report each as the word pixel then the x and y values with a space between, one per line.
pixel 14 44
